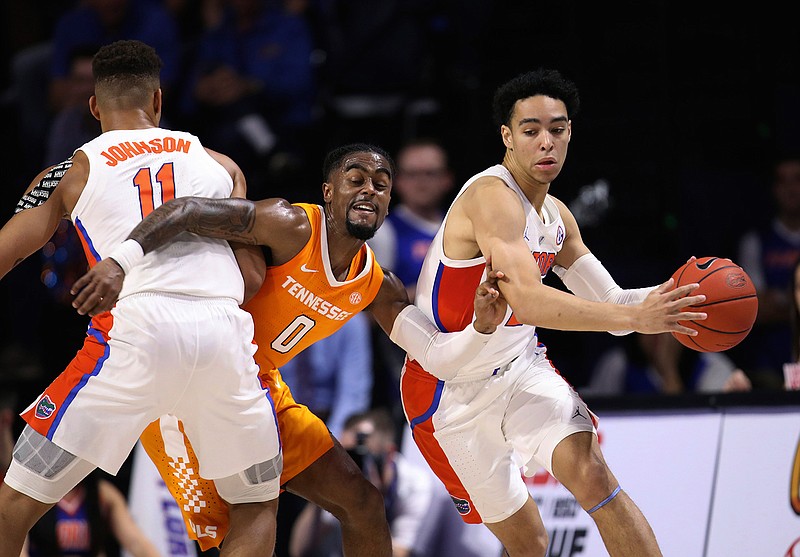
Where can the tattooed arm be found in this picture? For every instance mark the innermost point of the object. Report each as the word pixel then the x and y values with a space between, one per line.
pixel 48 199
pixel 273 223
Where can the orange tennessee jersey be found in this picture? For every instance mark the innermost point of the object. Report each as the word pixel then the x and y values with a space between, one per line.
pixel 299 303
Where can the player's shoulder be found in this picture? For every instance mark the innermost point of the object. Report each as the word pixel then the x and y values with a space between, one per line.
pixel 71 174
pixel 489 186
pixel 227 162
pixel 560 205
pixel 283 227
pixel 281 210
pixel 392 288
pixel 487 195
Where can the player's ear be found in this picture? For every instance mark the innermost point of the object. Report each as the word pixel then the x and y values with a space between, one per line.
pixel 505 133
pixel 157 103
pixel 93 107
pixel 327 191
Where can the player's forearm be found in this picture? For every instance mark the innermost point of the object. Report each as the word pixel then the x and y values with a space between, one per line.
pixel 589 279
pixel 550 308
pixel 441 354
pixel 227 219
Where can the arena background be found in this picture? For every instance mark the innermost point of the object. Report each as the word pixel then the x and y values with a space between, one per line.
pixel 683 108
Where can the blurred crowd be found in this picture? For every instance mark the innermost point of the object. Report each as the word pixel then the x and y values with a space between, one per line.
pixel 276 83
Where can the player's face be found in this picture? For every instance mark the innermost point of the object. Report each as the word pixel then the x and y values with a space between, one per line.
pixel 423 177
pixel 538 138
pixel 359 193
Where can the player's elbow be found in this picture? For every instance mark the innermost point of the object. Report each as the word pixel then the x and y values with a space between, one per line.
pixel 527 315
pixel 442 370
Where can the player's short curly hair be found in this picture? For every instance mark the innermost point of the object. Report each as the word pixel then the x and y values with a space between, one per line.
pixel 127 65
pixel 335 157
pixel 542 81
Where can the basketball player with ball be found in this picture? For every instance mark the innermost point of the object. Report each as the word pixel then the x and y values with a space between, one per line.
pixel 510 407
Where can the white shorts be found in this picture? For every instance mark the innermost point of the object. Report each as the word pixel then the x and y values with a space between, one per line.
pixel 476 436
pixel 157 354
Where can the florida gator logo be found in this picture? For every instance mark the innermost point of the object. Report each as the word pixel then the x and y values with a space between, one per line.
pixel 45 408
pixel 462 505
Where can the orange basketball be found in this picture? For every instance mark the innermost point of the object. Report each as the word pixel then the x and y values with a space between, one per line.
pixel 731 303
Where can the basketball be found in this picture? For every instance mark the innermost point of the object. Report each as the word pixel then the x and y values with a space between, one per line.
pixel 731 303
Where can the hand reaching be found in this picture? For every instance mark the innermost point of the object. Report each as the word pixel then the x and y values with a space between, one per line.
pixel 663 308
pixel 490 305
pixel 97 291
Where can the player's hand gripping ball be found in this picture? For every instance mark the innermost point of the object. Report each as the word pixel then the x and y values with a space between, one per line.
pixel 731 303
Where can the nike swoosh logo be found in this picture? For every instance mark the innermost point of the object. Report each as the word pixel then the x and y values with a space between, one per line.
pixel 707 264
pixel 306 269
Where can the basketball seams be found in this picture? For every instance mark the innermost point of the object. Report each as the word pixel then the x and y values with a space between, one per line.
pixel 733 311
pixel 710 329
pixel 706 304
pixel 717 270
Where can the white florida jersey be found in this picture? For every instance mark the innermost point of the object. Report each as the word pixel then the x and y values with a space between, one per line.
pixel 131 173
pixel 446 287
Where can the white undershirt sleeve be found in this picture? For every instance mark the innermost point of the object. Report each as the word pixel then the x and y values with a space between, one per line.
pixel 441 354
pixel 589 279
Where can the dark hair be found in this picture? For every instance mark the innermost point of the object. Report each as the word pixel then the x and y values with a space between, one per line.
pixel 425 141
pixel 542 81
pixel 335 157
pixel 380 417
pixel 126 67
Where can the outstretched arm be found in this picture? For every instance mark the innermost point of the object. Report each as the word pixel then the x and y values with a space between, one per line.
pixel 445 353
pixel 271 222
pixel 496 216
pixel 228 219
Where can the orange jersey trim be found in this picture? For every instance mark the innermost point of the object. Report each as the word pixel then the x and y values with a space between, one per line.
pixel 300 302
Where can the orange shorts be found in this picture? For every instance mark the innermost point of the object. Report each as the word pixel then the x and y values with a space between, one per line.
pixel 304 439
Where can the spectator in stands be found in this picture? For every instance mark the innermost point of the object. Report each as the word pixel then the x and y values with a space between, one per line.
pixel 251 91
pixel 99 22
pixel 91 520
pixel 424 179
pixel 74 125
pixel 660 364
pixel 370 438
pixel 378 61
pixel 768 254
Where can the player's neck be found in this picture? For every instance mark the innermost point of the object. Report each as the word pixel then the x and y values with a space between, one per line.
pixel 127 120
pixel 342 249
pixel 535 191
pixel 342 252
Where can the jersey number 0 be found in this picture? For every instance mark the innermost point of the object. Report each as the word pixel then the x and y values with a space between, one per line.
pixel 293 333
